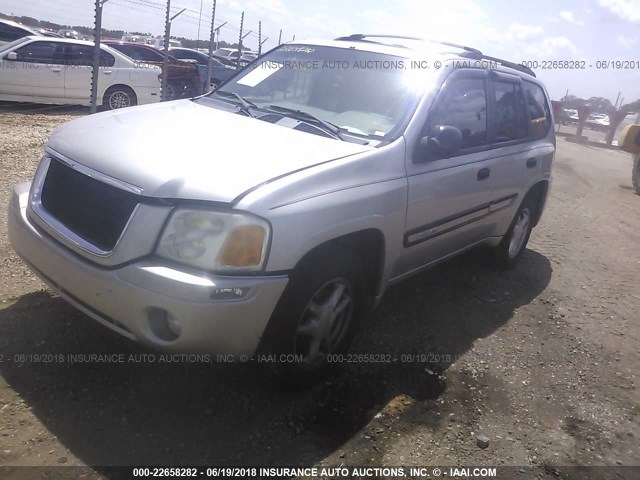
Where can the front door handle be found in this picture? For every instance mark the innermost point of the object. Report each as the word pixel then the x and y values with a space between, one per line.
pixel 56 69
pixel 107 72
pixel 483 174
pixel 532 162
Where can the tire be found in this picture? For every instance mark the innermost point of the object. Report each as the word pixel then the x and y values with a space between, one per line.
pixel 317 316
pixel 119 96
pixel 172 91
pixel 507 254
pixel 635 174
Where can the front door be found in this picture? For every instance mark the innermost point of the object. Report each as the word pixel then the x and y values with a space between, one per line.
pixel 37 71
pixel 449 198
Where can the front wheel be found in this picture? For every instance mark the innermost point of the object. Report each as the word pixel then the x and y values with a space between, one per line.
pixel 508 253
pixel 317 315
pixel 635 174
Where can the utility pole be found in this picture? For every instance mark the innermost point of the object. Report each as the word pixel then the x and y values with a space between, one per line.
pixel 211 40
pixel 96 55
pixel 280 38
pixel 240 42
pixel 259 38
pixel 200 21
pixel 293 39
pixel 165 61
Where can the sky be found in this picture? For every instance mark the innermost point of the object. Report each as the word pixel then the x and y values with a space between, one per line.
pixel 591 31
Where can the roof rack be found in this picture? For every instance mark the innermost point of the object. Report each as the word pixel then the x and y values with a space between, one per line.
pixel 360 37
pixel 469 52
pixel 480 56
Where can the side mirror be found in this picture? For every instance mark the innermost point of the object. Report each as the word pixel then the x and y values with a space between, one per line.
pixel 11 56
pixel 445 142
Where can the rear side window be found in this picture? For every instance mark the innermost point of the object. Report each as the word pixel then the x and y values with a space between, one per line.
pixel 539 112
pixel 511 115
pixel 82 55
pixel 141 54
pixel 41 52
pixel 463 104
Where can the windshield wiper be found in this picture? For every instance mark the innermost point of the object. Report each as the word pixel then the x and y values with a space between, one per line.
pixel 329 127
pixel 245 105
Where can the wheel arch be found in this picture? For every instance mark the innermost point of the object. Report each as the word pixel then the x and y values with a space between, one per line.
pixel 367 244
pixel 538 195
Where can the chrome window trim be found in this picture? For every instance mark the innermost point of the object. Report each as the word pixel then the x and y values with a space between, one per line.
pixel 57 229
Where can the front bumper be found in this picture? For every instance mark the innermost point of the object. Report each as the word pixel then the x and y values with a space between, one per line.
pixel 127 299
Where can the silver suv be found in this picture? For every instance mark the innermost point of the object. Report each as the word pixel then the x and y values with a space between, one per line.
pixel 267 215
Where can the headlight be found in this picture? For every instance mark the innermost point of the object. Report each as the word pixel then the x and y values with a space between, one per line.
pixel 215 240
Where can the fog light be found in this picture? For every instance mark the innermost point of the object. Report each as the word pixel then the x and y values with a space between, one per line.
pixel 229 293
pixel 174 325
pixel 163 324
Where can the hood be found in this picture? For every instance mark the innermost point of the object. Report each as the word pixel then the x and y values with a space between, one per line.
pixel 185 150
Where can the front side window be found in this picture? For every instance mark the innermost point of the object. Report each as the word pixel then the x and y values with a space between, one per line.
pixel 462 104
pixel 538 110
pixel 510 113
pixel 41 52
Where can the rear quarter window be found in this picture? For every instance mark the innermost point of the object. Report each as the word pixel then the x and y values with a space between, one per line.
pixel 539 112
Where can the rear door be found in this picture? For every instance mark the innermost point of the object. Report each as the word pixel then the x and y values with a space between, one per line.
pixel 518 153
pixel 79 68
pixel 449 198
pixel 38 71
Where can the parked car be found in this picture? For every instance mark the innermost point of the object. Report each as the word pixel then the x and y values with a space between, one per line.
pixel 219 71
pixel 247 58
pixel 159 43
pixel 231 54
pixel 184 78
pixel 46 33
pixel 129 38
pixel 353 180
pixel 69 33
pixel 58 70
pixel 10 31
pixel 598 121
pixel 565 116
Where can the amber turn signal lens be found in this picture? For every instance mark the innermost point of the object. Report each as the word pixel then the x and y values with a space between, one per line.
pixel 243 247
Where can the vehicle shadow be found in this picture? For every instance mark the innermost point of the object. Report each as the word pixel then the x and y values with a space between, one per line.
pixel 26 108
pixel 145 412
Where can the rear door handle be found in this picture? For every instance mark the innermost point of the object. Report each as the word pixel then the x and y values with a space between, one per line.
pixel 483 174
pixel 532 162
pixel 56 69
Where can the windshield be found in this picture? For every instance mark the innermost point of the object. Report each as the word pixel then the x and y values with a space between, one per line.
pixel 362 93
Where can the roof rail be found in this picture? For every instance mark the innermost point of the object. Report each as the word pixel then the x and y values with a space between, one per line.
pixel 516 66
pixel 360 37
pixel 469 52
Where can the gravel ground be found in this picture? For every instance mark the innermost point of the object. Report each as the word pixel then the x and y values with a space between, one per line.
pixel 537 365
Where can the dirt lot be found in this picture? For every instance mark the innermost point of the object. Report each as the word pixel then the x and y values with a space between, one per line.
pixel 542 360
